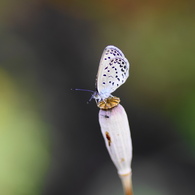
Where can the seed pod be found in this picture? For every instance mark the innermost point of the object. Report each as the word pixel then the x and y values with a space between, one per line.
pixel 116 132
pixel 108 103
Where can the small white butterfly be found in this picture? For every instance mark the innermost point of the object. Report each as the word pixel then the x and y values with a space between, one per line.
pixel 112 73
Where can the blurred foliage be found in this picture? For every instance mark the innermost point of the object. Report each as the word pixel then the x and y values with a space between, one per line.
pixel 23 141
pixel 184 113
pixel 148 191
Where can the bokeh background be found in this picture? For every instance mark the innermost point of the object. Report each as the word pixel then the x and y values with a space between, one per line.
pixel 50 139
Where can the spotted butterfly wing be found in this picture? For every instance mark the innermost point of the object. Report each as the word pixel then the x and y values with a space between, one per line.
pixel 113 71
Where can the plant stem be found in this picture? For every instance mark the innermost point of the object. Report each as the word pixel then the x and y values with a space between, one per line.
pixel 127 184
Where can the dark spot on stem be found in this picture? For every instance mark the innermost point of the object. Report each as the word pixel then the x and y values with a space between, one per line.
pixel 108 138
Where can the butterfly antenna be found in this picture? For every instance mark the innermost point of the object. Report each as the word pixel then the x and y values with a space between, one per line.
pixel 82 90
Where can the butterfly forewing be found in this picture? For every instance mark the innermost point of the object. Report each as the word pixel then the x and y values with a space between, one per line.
pixel 113 71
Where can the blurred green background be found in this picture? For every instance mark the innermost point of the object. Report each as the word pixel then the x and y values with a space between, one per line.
pixel 50 140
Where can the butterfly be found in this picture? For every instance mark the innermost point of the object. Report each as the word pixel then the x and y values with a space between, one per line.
pixel 112 73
